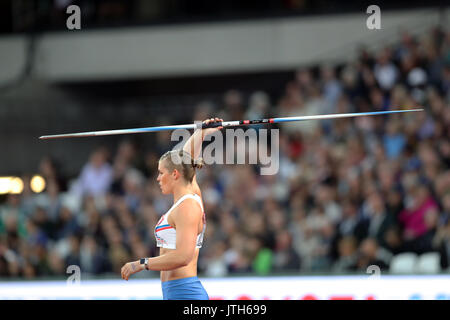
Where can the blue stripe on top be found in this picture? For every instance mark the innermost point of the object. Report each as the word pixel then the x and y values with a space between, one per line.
pixel 162 226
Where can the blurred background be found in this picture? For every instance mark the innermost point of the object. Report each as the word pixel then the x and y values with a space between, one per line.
pixel 350 193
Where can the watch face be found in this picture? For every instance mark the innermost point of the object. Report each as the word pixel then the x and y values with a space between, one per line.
pixel 142 261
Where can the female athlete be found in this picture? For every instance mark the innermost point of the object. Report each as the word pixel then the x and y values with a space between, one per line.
pixel 179 232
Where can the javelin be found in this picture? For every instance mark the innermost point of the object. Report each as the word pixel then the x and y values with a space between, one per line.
pixel 220 124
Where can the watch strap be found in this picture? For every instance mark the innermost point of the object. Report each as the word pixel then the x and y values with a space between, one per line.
pixel 144 261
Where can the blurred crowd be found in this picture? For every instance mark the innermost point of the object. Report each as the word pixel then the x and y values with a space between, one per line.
pixel 349 193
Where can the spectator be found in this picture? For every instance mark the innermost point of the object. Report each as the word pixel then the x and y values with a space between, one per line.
pixel 73 257
pixel 394 141
pixel 215 264
pixel 331 88
pixel 441 243
pixel 56 263
pixel 349 223
pixel 96 176
pixel 284 256
pixel 347 254
pixel 92 258
pixel 393 240
pixel 385 71
pixel 50 170
pixel 66 224
pixel 414 220
pixel 380 219
pixel 369 254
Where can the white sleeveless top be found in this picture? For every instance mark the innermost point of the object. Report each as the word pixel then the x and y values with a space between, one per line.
pixel 166 235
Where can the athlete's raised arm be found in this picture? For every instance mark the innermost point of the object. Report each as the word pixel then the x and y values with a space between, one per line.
pixel 194 146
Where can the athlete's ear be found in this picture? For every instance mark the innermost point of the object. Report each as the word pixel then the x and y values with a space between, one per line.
pixel 175 174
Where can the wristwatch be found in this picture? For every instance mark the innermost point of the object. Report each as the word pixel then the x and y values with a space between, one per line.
pixel 144 261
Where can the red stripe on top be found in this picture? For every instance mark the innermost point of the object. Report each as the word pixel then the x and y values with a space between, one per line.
pixel 271 120
pixel 246 121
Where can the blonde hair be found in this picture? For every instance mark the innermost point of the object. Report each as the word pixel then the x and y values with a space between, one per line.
pixel 183 162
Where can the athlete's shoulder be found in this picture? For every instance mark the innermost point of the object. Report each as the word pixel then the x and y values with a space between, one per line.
pixel 188 209
pixel 191 202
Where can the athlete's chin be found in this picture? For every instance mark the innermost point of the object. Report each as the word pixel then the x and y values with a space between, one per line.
pixel 163 191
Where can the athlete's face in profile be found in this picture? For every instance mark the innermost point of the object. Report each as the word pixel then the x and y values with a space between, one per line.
pixel 165 178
